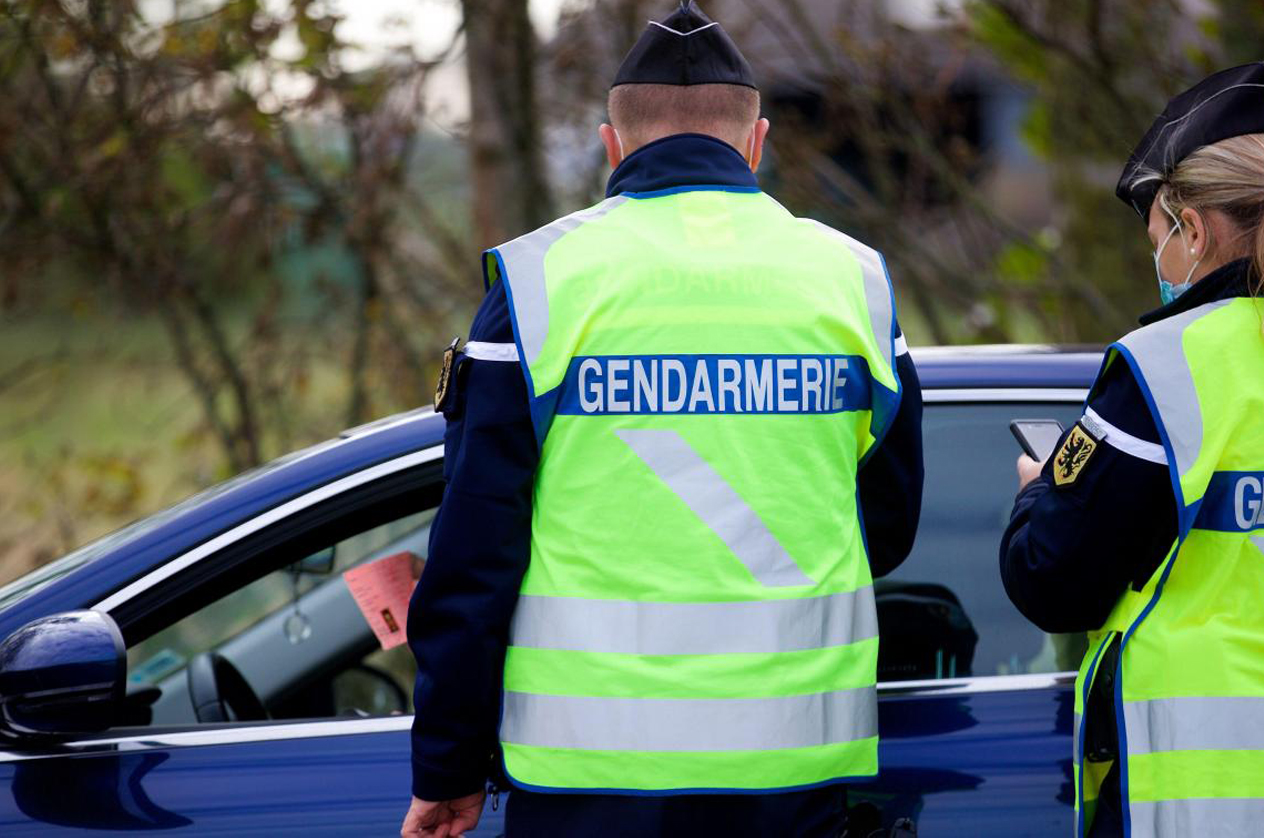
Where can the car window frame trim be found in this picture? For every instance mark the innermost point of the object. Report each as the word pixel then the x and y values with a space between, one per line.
pixel 260 522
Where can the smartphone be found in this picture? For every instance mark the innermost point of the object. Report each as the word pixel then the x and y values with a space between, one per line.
pixel 1037 436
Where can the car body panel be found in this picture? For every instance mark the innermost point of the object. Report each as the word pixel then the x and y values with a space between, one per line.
pixel 351 784
pixel 975 758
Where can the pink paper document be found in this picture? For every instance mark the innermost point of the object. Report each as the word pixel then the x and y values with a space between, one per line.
pixel 382 589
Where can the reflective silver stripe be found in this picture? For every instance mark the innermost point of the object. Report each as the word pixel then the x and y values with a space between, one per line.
pixel 901 346
pixel 714 501
pixel 482 351
pixel 689 724
pixel 877 289
pixel 694 628
pixel 1125 442
pixel 524 264
pixel 1158 351
pixel 1195 724
pixel 1075 736
pixel 1203 816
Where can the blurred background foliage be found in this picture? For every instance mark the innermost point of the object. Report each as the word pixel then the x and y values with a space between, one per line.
pixel 228 228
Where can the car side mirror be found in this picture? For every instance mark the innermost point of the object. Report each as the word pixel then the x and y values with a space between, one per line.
pixel 62 675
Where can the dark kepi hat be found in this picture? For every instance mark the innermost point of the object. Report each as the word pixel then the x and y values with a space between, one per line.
pixel 685 48
pixel 1227 104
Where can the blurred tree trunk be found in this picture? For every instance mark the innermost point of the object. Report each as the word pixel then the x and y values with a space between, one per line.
pixel 511 192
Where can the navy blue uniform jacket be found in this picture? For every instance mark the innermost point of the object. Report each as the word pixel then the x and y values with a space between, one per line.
pixel 458 620
pixel 1071 551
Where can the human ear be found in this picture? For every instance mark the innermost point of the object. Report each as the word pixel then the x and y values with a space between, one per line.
pixel 755 147
pixel 755 144
pixel 613 143
pixel 754 151
pixel 1198 238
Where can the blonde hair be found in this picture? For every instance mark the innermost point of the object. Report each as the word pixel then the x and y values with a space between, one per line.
pixel 1227 176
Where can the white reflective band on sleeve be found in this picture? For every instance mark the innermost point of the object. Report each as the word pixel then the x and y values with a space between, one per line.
pixel 481 351
pixel 1125 442
pixel 901 346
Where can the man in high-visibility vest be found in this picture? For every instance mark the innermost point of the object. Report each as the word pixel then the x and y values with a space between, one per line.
pixel 683 438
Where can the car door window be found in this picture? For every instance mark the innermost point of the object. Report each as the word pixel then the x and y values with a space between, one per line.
pixel 944 612
pixel 295 635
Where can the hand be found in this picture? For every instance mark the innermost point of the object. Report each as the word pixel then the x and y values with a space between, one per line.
pixel 443 818
pixel 1028 470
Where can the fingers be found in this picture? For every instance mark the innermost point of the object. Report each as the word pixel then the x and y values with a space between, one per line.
pixel 442 819
pixel 434 830
pixel 465 820
pixel 467 811
pixel 422 818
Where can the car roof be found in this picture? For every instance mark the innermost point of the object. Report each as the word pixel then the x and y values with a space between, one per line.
pixel 1007 366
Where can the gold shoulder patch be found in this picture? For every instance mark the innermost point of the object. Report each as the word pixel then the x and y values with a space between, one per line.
pixel 1073 456
pixel 445 373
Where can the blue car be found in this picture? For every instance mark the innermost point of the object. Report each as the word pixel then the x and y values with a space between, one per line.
pixel 207 667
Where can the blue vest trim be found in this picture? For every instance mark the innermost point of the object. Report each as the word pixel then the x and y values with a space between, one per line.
pixel 1233 502
pixel 1078 756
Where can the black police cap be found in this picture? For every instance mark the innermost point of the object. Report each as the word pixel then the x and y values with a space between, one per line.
pixel 685 48
pixel 1227 104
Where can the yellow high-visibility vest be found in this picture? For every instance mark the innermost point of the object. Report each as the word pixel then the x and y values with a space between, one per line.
pixel 1189 687
pixel 706 374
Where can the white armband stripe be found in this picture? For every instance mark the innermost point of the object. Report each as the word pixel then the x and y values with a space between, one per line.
pixel 1127 443
pixel 901 346
pixel 482 351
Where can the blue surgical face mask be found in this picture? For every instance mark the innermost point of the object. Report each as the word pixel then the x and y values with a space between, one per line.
pixel 1167 290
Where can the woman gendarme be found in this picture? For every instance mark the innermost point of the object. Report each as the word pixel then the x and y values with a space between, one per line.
pixel 1146 527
